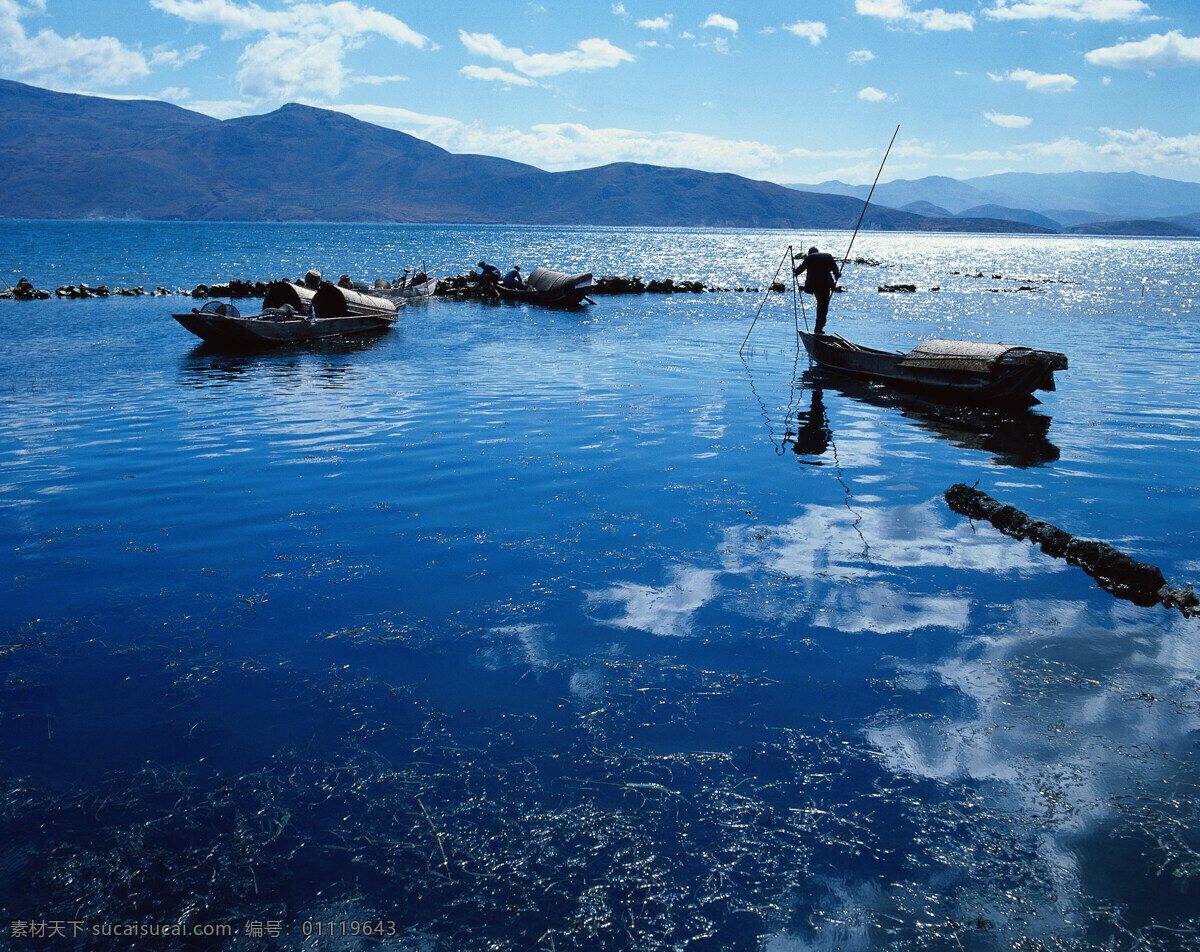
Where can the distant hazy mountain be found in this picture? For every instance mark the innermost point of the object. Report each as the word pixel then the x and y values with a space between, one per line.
pixel 1158 227
pixel 67 156
pixel 948 193
pixel 1073 216
pixel 928 209
pixel 1191 221
pixel 1010 214
pixel 1112 194
pixel 1064 198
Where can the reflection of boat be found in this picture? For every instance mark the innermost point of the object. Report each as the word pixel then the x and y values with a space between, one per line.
pixel 1013 435
pixel 550 288
pixel 953 370
pixel 291 313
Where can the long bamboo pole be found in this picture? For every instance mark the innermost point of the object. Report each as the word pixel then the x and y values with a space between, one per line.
pixel 766 295
pixel 846 257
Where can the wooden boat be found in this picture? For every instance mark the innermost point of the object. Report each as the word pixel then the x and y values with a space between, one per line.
pixel 550 288
pixel 952 370
pixel 291 313
pixel 416 284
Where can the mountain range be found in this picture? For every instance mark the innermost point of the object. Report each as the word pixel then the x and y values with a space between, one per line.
pixel 66 156
pixel 1068 202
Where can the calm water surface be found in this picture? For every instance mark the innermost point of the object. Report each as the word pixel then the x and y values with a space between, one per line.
pixel 520 629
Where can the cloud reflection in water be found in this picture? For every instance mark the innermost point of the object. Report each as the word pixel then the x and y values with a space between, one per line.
pixel 822 546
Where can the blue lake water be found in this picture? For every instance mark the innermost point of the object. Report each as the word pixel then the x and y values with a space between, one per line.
pixel 523 629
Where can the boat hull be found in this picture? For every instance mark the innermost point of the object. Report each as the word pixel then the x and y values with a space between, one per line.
pixel 292 315
pixel 1010 377
pixel 260 331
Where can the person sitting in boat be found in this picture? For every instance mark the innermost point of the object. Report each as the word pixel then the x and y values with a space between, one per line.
pixel 489 276
pixel 513 278
pixel 821 275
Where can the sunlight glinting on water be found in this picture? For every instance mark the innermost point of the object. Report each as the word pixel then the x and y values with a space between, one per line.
pixel 532 629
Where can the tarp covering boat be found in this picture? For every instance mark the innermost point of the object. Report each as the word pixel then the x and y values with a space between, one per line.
pixel 280 293
pixel 556 284
pixel 938 354
pixel 334 301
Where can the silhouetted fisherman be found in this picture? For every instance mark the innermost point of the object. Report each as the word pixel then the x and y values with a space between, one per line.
pixel 821 273
pixel 489 277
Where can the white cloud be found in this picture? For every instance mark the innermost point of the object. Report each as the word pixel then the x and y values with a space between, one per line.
pixel 898 11
pixel 496 75
pixel 858 57
pixel 1100 11
pixel 812 31
pixel 304 51
pixel 175 59
pixel 48 58
pixel 343 18
pixel 558 146
pixel 1143 147
pixel 871 94
pixel 588 55
pixel 1142 150
pixel 1071 154
pixel 379 80
pixel 1007 122
pixel 1039 82
pixel 721 22
pixel 1155 52
pixel 658 23
pixel 217 108
pixel 279 68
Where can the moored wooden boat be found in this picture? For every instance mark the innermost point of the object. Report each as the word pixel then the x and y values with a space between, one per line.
pixel 550 288
pixel 291 313
pixel 953 370
pixel 417 284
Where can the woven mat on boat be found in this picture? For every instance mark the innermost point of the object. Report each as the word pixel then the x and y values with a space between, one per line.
pixel 552 282
pixel 954 355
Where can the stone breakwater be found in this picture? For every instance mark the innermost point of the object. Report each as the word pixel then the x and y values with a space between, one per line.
pixel 457 286
pixel 25 291
pixel 465 285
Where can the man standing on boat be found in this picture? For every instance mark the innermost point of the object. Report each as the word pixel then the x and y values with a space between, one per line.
pixel 821 273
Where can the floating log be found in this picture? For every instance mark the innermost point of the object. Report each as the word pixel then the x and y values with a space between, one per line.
pixel 1114 571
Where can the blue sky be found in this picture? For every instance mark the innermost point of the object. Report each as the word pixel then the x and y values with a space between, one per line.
pixel 791 92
